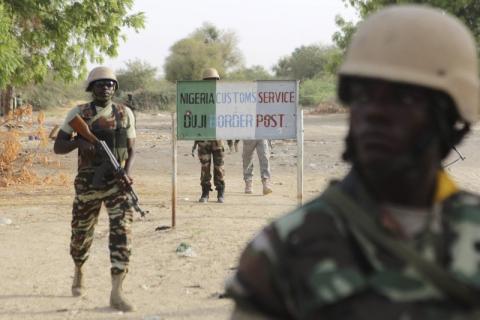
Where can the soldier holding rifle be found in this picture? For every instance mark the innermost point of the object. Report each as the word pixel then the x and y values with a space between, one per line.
pixel 113 124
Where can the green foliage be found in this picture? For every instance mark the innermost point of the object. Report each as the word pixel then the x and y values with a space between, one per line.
pixel 9 47
pixel 466 10
pixel 318 90
pixel 150 100
pixel 149 93
pixel 344 35
pixel 137 75
pixel 53 92
pixel 37 36
pixel 308 62
pixel 252 73
pixel 205 47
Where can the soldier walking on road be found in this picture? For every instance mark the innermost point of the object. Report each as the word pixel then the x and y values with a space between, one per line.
pixel 115 125
pixel 396 238
pixel 208 151
pixel 263 152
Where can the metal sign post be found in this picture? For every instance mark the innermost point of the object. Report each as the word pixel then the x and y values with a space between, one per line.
pixel 174 168
pixel 299 150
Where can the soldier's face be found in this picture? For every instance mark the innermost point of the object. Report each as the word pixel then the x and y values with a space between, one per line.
pixel 387 120
pixel 103 90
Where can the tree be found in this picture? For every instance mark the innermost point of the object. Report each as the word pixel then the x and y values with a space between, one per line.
pixel 466 10
pixel 38 36
pixel 307 62
pixel 136 75
pixel 252 73
pixel 205 47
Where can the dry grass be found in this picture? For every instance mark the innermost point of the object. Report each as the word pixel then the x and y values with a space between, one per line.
pixel 327 108
pixel 23 147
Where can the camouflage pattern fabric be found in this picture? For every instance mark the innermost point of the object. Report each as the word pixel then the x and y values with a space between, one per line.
pixel 310 264
pixel 206 151
pixel 86 208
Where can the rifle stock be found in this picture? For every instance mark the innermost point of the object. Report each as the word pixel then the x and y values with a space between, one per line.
pixel 81 127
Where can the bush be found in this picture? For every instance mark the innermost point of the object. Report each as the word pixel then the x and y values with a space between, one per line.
pixel 317 91
pixel 161 97
pixel 52 93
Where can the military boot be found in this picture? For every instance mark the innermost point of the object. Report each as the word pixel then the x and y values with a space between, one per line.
pixel 248 187
pixel 78 288
pixel 266 187
pixel 117 300
pixel 221 195
pixel 205 191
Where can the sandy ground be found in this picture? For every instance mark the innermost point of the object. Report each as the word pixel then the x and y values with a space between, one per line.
pixel 36 269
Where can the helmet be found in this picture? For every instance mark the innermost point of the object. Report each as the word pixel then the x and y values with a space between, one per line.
pixel 210 73
pixel 100 73
pixel 417 45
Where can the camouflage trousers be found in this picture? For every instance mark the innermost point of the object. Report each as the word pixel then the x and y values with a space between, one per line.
pixel 86 208
pixel 208 150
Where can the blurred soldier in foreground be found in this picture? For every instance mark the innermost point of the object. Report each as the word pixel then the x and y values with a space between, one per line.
pixel 396 238
pixel 263 152
pixel 114 124
pixel 208 151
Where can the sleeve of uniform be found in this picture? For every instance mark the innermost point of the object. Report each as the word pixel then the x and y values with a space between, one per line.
pixel 70 115
pixel 252 287
pixel 131 132
pixel 299 266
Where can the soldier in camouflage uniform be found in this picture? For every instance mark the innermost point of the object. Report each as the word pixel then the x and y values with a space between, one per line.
pixel 115 124
pixel 208 151
pixel 396 238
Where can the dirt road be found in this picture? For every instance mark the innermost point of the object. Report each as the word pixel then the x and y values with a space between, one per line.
pixel 36 269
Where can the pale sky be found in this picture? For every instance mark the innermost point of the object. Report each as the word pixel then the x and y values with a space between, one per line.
pixel 266 29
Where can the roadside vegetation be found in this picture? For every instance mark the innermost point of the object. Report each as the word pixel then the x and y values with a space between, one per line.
pixel 44 61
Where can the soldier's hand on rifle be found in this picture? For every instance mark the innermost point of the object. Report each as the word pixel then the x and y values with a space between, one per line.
pixel 86 149
pixel 124 179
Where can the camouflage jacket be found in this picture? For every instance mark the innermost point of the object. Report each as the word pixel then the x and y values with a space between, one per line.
pixel 311 264
pixel 207 146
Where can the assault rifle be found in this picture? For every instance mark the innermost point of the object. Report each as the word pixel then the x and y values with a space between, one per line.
pixel 79 125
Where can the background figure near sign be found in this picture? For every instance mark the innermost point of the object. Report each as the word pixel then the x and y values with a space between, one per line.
pixel 233 145
pixel 131 104
pixel 208 151
pixel 263 152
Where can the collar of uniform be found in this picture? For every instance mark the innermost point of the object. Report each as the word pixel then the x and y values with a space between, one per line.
pixel 105 111
pixel 99 108
pixel 445 186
